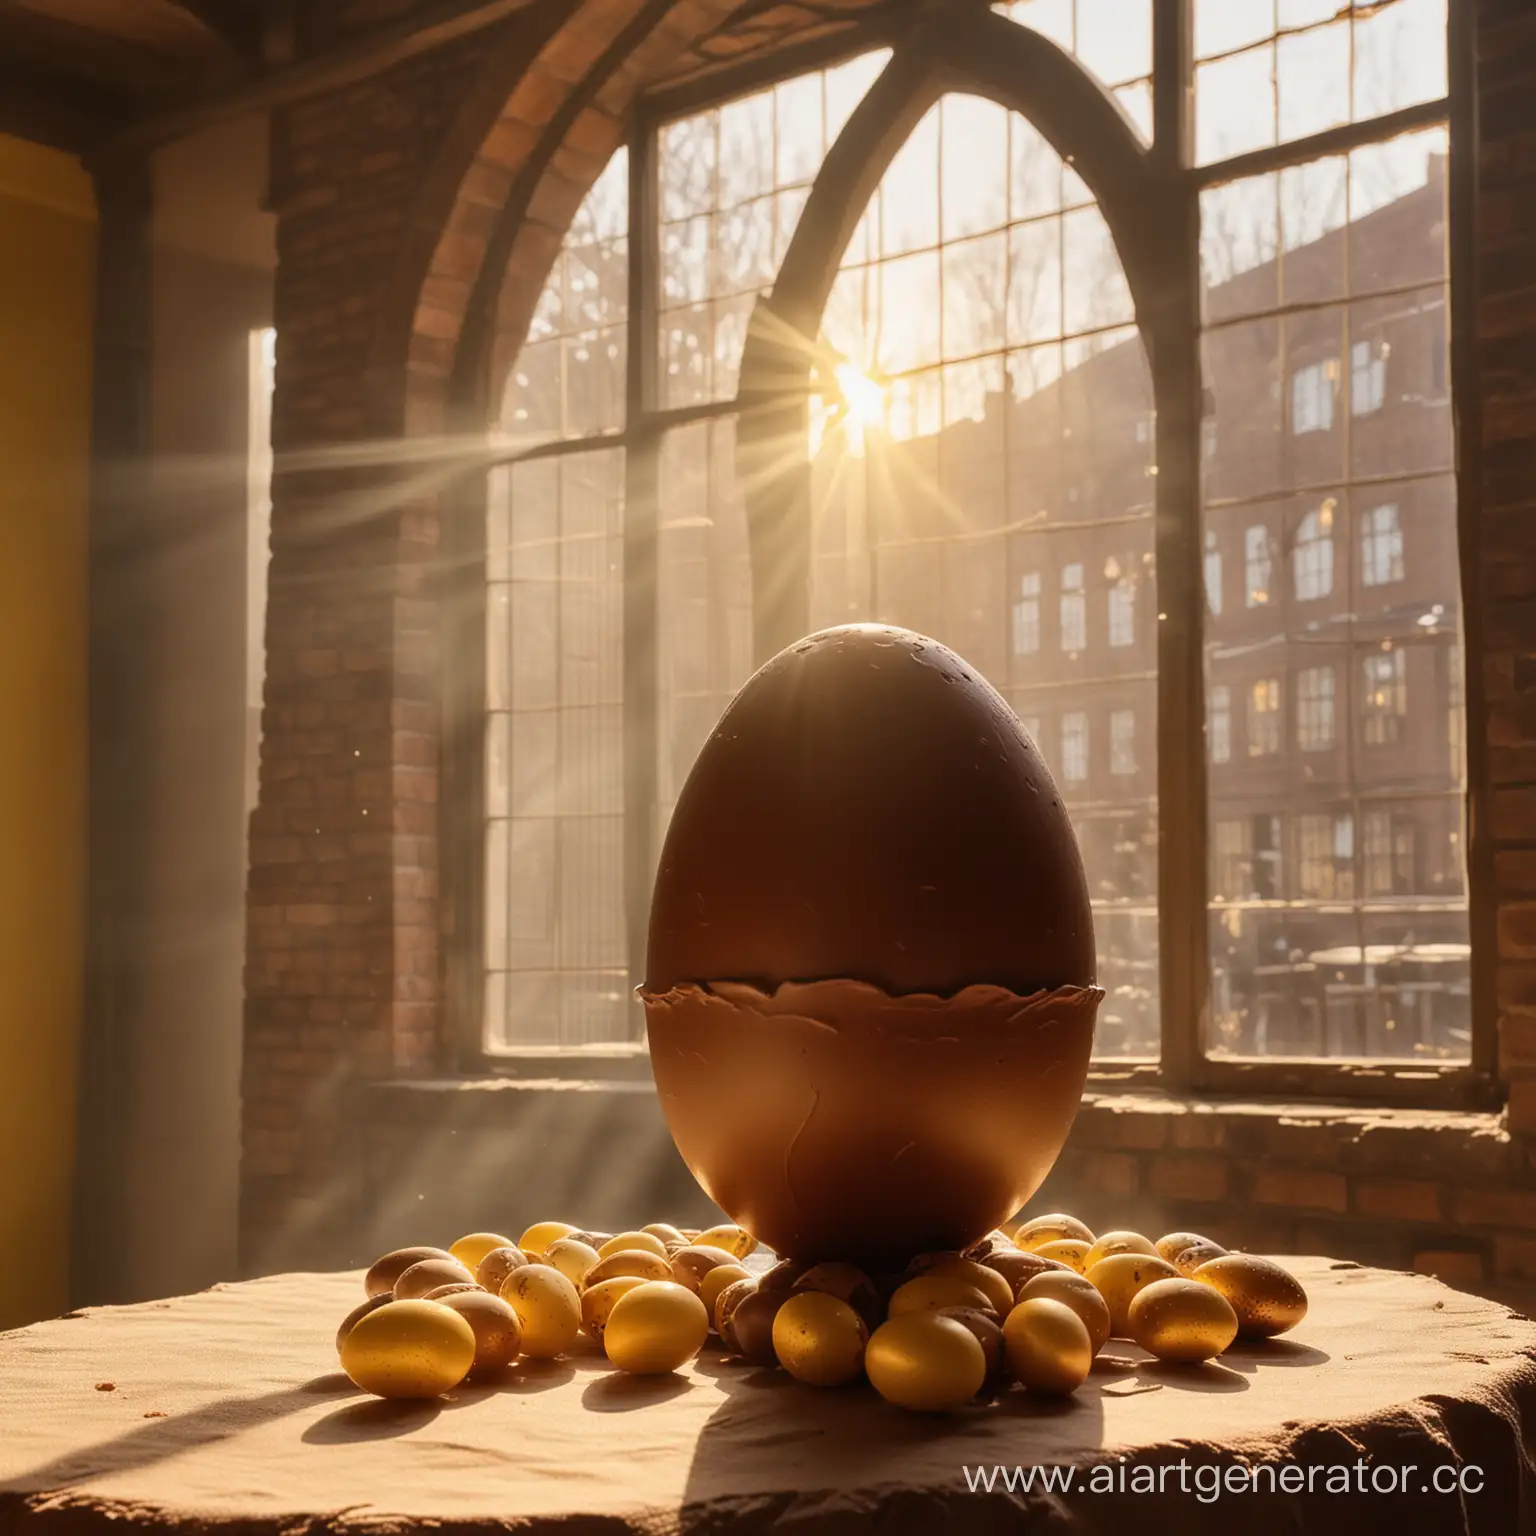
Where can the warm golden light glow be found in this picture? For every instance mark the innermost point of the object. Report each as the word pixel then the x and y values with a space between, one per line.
pixel 863 397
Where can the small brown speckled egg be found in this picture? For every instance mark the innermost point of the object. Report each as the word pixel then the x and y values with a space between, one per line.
pixel 573 1258
pixel 629 1261
pixel 498 1334
pixel 1171 1244
pixel 497 1265
pixel 1188 1260
pixel 1182 1320
pixel 729 1236
pixel 1266 1298
pixel 381 1278
pixel 428 1275
pixel 1047 1347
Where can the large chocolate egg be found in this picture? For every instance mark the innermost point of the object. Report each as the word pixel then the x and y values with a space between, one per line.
pixel 869 990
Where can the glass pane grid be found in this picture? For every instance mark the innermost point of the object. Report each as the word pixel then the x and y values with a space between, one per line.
pixel 734 180
pixel 1338 918
pixel 995 487
pixel 1271 71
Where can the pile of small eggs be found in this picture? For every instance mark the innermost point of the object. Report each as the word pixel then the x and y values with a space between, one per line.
pixel 1034 1306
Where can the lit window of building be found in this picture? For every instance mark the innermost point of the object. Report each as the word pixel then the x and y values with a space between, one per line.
pixel 1314 709
pixel 1233 854
pixel 1074 609
pixel 1256 565
pixel 1381 546
pixel 1218 724
pixel 1122 613
pixel 1026 615
pixel 1386 697
pixel 1326 857
pixel 1312 558
pixel 1074 747
pixel 1312 398
pixel 1264 717
pixel 1367 376
pixel 1212 574
pixel 1388 854
pixel 1122 741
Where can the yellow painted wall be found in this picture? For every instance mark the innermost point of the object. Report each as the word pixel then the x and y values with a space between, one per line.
pixel 47 246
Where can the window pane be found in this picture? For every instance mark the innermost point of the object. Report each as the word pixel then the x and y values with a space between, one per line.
pixel 1112 38
pixel 1274 72
pixel 997 494
pixel 1338 918
pixel 556 952
pixel 704 597
pixel 733 182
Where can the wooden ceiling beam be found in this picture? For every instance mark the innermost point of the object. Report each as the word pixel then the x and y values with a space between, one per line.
pixel 54 109
pixel 234 24
pixel 347 62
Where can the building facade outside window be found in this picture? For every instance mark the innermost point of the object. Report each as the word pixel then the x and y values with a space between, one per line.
pixel 1264 717
pixel 1381 546
pixel 1314 709
pixel 1256 565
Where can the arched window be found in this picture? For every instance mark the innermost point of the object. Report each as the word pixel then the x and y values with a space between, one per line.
pixel 935 329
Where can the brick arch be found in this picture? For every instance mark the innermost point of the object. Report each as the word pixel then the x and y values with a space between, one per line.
pixel 561 120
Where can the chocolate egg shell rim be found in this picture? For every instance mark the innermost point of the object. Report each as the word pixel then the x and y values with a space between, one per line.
pixel 823 1002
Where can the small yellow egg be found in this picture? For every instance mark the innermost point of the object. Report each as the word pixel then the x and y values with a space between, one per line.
pixel 717 1280
pixel 597 1303
pixel 630 1261
pixel 1171 1244
pixel 656 1327
pixel 848 1283
pixel 1266 1298
pixel 670 1236
pixel 1079 1293
pixel 1071 1251
pixel 819 1340
pixel 628 1242
pixel 989 1282
pixel 428 1275
pixel 575 1260
pixel 498 1334
pixel 930 1292
pixel 1117 1242
pixel 1182 1320
pixel 409 1349
pixel 547 1307
pixel 1047 1346
pixel 540 1235
pixel 1118 1278
pixel 728 1236
pixel 536 1238
pixel 380 1280
pixel 471 1251
pixel 1049 1229
pixel 1188 1260
pixel 925 1361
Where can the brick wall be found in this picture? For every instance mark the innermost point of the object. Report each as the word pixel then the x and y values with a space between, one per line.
pixel 386 192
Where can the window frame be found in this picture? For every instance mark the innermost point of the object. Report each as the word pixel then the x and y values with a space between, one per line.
pixel 961 46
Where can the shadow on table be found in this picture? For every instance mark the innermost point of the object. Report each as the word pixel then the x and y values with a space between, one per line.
pixel 158 1439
